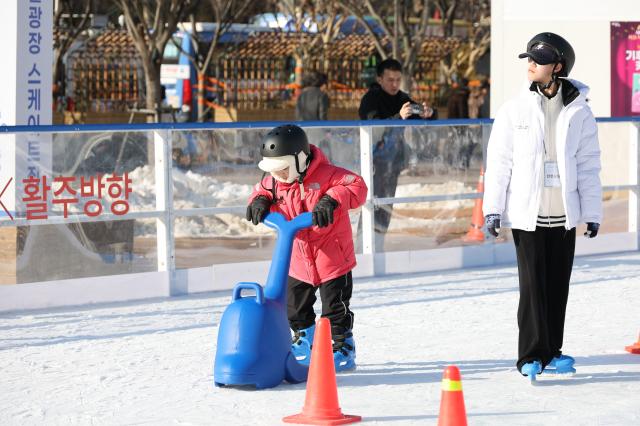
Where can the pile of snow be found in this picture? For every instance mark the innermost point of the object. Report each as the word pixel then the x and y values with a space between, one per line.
pixel 446 188
pixel 193 190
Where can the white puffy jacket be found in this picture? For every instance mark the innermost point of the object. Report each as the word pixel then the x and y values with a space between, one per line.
pixel 515 160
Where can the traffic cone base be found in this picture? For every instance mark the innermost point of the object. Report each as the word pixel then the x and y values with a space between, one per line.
pixel 452 412
pixel 306 420
pixel 321 400
pixel 635 348
pixel 475 233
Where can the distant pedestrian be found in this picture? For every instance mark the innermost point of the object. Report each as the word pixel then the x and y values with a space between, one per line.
pixel 313 102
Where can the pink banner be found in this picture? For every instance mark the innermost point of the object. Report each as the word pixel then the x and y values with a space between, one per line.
pixel 625 69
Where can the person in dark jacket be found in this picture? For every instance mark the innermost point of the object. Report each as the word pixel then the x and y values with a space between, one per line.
pixel 313 102
pixel 384 101
pixel 458 103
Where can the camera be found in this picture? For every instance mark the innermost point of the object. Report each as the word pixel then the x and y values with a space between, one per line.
pixel 416 109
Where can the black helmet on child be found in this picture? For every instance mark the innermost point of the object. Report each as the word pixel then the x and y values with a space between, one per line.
pixel 550 48
pixel 286 146
pixel 285 140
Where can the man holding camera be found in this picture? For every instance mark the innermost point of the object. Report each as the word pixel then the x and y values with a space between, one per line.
pixel 385 101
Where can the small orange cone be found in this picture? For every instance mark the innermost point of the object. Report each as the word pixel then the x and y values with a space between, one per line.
pixel 321 405
pixel 452 412
pixel 635 348
pixel 475 233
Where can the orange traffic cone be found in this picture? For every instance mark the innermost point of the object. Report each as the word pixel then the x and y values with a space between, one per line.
pixel 321 401
pixel 475 233
pixel 635 348
pixel 452 412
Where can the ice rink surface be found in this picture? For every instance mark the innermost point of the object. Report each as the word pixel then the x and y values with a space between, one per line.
pixel 151 362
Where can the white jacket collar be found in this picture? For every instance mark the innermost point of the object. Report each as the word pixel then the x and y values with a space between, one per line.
pixel 583 91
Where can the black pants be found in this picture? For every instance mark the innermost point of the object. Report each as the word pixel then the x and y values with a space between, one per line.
pixel 385 181
pixel 335 295
pixel 545 260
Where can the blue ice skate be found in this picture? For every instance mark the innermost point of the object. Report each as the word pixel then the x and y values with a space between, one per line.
pixel 302 344
pixel 344 351
pixel 562 364
pixel 531 369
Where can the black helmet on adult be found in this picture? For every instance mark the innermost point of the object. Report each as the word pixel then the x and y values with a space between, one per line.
pixel 550 48
pixel 285 140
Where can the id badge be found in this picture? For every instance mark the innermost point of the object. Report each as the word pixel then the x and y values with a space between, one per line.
pixel 551 174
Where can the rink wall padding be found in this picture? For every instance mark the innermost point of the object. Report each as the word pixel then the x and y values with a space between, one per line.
pixel 128 287
pixel 83 291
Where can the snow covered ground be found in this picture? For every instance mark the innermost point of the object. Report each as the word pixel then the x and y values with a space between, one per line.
pixel 150 363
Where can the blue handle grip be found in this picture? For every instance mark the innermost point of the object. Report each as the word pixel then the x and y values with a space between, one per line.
pixel 248 286
pixel 278 222
pixel 276 285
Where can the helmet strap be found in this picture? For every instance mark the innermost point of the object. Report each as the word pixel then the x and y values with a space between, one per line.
pixel 303 173
pixel 554 79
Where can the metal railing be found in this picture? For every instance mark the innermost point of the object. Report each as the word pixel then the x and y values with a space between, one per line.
pixel 165 212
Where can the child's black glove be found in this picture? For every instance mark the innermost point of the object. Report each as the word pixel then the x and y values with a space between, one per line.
pixel 323 211
pixel 258 208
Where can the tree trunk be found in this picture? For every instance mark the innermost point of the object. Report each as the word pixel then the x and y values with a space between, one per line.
pixel 59 80
pixel 153 91
pixel 407 76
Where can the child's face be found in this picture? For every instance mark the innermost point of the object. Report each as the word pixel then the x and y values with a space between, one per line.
pixel 281 175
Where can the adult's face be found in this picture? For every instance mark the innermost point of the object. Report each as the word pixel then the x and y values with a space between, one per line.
pixel 541 73
pixel 390 81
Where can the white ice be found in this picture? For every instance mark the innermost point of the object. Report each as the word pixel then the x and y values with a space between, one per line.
pixel 151 363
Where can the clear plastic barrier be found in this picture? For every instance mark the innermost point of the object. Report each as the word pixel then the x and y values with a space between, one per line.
pixel 84 204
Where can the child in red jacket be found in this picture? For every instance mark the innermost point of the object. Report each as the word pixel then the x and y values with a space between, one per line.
pixel 303 180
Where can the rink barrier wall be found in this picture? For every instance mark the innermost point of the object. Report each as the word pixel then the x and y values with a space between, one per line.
pixel 168 281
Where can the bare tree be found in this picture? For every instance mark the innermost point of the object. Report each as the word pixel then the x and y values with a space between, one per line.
pixel 225 13
pixel 447 9
pixel 477 15
pixel 151 24
pixel 402 32
pixel 70 26
pixel 325 18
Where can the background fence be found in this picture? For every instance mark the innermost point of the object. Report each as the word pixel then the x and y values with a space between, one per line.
pixel 154 210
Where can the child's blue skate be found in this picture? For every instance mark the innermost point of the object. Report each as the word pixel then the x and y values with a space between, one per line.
pixel 531 369
pixel 344 351
pixel 302 344
pixel 562 364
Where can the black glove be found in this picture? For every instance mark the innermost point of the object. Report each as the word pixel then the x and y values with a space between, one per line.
pixel 258 208
pixel 592 229
pixel 323 211
pixel 493 224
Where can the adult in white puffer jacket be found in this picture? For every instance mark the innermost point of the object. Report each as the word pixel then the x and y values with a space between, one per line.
pixel 542 180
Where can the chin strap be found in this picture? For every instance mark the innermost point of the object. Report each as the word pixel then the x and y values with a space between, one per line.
pixel 554 79
pixel 303 173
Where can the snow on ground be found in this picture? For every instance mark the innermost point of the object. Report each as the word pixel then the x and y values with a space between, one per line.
pixel 150 363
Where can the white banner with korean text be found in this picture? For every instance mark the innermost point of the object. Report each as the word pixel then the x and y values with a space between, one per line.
pixel 26 28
